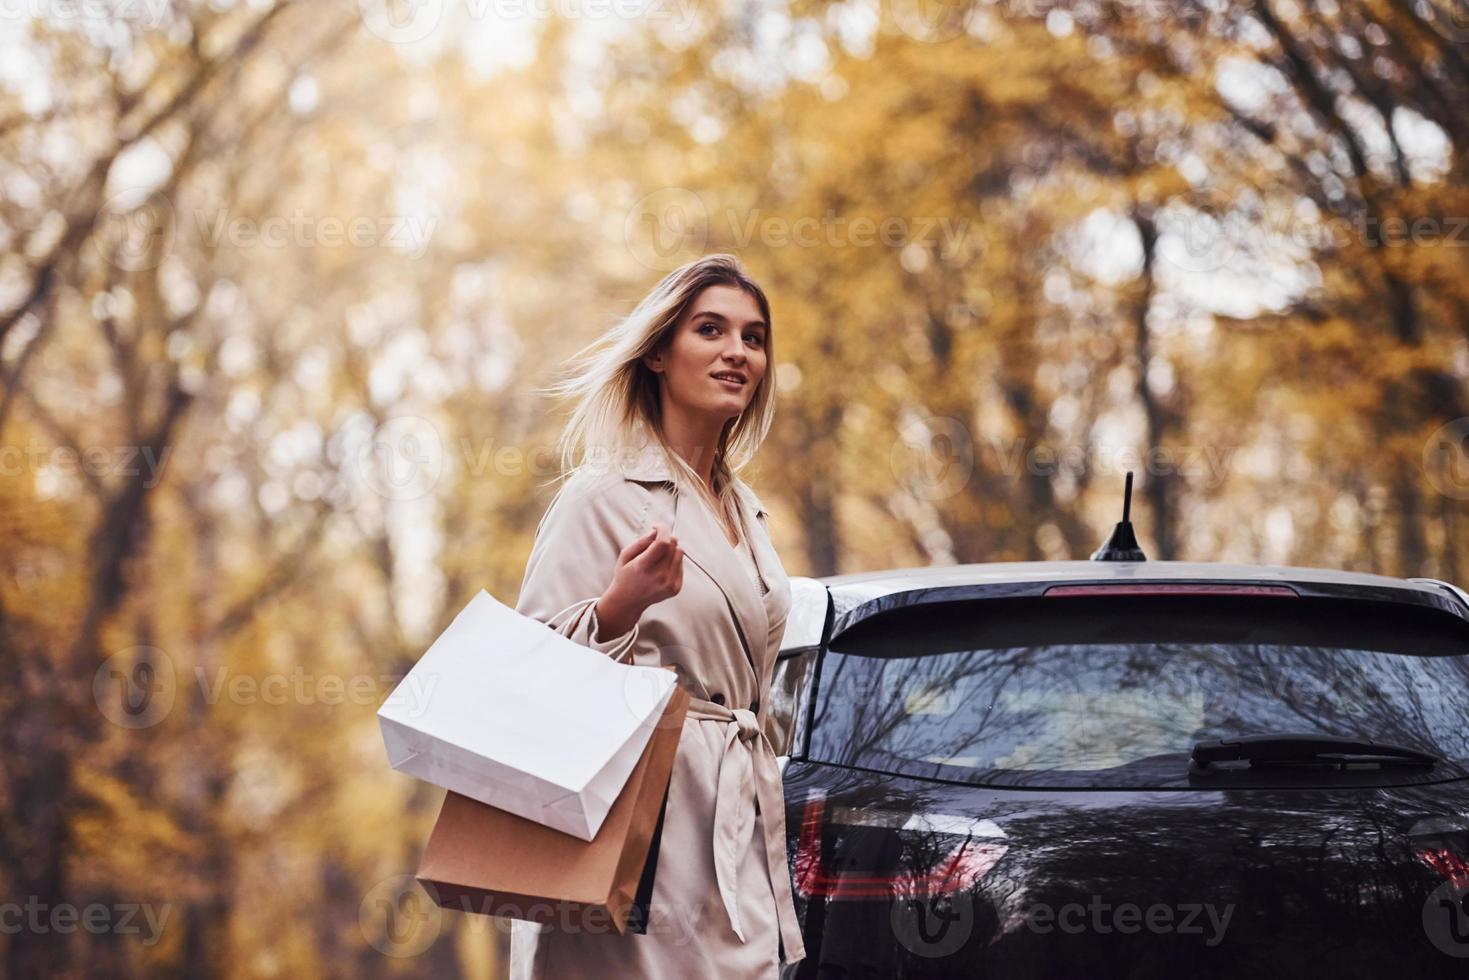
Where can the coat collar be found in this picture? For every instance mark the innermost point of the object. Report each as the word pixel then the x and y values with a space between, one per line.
pixel 647 463
pixel 704 543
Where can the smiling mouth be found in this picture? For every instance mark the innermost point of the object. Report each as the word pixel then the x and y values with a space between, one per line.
pixel 725 379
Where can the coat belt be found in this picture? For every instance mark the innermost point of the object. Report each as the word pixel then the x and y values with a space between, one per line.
pixel 748 773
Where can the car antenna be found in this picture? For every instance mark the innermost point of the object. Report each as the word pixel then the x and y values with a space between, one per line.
pixel 1122 545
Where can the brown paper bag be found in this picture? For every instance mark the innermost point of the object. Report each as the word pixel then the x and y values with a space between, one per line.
pixel 483 859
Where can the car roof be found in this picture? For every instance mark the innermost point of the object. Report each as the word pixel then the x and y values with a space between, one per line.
pixel 857 596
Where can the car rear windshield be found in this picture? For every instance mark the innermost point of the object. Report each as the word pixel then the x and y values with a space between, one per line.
pixel 1116 690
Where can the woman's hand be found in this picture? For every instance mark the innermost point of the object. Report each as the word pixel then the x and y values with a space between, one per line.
pixel 649 570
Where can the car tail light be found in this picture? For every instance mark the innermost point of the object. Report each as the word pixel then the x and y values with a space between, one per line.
pixel 939 854
pixel 1149 588
pixel 1442 844
pixel 1448 863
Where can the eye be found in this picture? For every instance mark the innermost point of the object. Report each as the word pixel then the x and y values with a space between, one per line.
pixel 759 341
pixel 707 326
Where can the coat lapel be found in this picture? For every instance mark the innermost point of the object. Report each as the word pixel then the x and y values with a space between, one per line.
pixel 704 543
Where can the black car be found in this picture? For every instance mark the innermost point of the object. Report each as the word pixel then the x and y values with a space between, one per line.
pixel 1127 768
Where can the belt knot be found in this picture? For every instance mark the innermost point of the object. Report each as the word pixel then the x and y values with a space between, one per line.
pixel 749 725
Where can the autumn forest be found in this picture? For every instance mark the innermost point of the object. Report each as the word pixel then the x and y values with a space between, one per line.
pixel 281 284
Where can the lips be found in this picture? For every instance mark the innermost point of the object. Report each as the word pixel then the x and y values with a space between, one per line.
pixel 730 377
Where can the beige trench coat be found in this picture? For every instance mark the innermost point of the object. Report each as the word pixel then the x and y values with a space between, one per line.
pixel 721 899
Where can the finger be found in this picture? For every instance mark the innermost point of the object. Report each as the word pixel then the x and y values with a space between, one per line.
pixel 636 546
pixel 657 552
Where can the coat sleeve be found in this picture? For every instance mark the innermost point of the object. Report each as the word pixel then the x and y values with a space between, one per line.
pixel 589 522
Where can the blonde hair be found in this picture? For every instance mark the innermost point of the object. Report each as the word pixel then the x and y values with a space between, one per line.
pixel 616 396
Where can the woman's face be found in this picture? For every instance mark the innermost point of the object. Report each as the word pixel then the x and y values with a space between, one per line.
pixel 722 333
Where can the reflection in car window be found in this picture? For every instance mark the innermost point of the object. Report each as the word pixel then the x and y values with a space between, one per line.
pixel 1094 693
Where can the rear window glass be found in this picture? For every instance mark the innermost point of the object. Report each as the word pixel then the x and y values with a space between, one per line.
pixel 1117 690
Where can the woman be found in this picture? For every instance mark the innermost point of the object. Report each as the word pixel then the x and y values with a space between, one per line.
pixel 669 405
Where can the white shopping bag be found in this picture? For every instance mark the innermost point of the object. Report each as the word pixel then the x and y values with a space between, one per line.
pixel 507 711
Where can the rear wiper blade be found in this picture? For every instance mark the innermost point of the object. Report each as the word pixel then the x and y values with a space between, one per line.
pixel 1293 749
